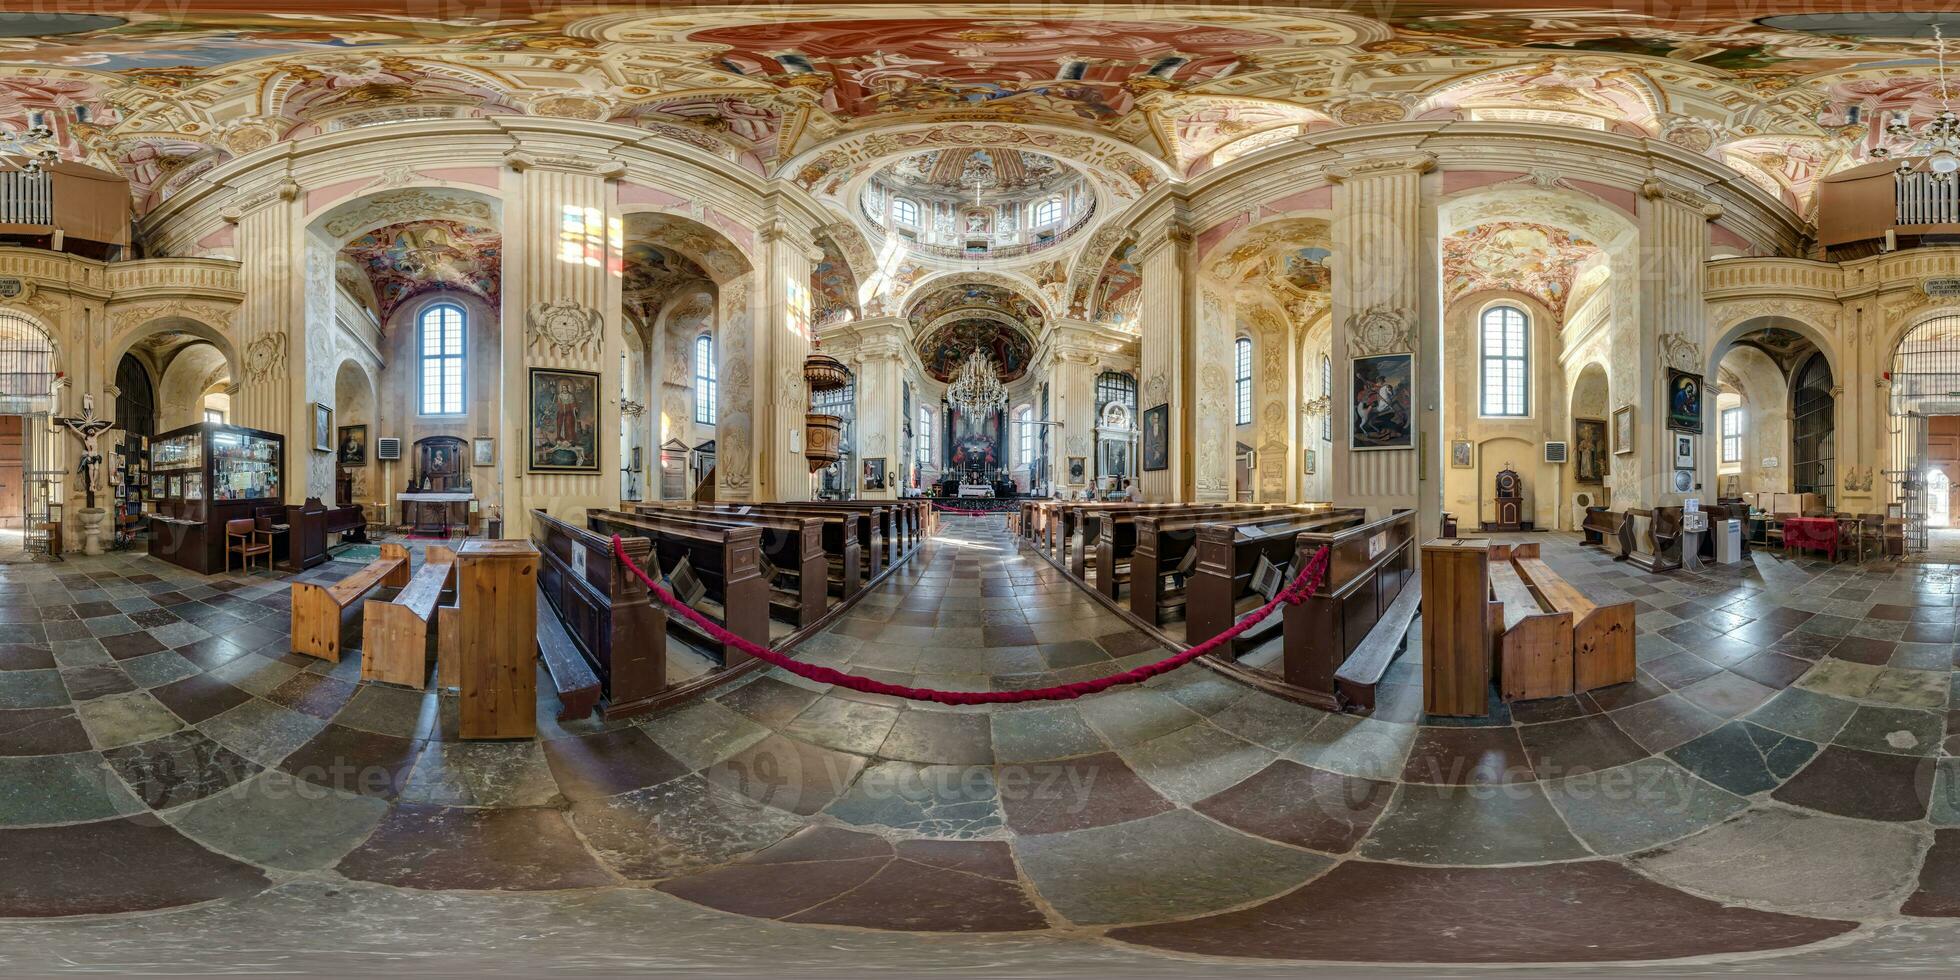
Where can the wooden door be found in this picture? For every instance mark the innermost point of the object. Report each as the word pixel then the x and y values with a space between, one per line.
pixel 13 470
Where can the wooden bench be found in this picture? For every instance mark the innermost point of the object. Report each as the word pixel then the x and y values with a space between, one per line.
pixel 317 608
pixel 725 559
pixel 838 537
pixel 793 544
pixel 874 522
pixel 395 632
pixel 1601 526
pixel 1109 536
pixel 1228 552
pixel 573 678
pixel 1602 636
pixel 1340 641
pixel 606 611
pixel 1651 539
pixel 1532 642
pixel 1166 541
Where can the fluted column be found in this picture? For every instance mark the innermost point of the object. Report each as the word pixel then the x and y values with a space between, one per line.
pixel 790 252
pixel 1071 376
pixel 1165 353
pixel 274 334
pixel 875 350
pixel 1385 302
pixel 561 311
pixel 1673 319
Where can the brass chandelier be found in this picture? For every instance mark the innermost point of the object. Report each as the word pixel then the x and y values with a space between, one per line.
pixel 976 388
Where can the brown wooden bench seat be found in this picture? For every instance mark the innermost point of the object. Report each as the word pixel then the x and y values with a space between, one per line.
pixel 1228 552
pixel 1602 636
pixel 1168 543
pixel 1533 642
pixel 576 683
pixel 799 592
pixel 317 608
pixel 725 559
pixel 873 524
pixel 606 611
pixel 1342 639
pixel 395 632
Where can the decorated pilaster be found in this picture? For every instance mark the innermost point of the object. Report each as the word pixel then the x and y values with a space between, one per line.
pixel 1166 353
pixel 1071 373
pixel 274 392
pixel 562 285
pixel 790 253
pixel 1386 310
pixel 875 350
pixel 1672 321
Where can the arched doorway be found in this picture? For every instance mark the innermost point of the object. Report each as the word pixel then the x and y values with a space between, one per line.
pixel 1925 429
pixel 1813 431
pixel 26 383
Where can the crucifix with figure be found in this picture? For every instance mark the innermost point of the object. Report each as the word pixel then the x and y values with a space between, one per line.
pixel 88 428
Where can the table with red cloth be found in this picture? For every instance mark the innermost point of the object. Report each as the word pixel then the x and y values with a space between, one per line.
pixel 1812 532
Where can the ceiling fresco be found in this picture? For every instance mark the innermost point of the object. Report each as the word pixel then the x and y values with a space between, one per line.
pixel 949 345
pixel 832 287
pixel 405 260
pixel 652 274
pixel 986 297
pixel 1537 260
pixel 168 94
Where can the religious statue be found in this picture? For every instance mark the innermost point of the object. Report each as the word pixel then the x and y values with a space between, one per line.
pixel 89 429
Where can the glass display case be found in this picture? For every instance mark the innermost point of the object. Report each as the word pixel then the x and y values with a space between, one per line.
pixel 204 475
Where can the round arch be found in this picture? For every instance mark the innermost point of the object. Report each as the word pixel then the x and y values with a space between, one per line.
pixel 122 343
pixel 1818 337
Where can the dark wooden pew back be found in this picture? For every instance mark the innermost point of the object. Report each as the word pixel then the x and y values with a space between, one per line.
pixel 606 609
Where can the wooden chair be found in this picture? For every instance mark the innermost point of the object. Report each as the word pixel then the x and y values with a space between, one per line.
pixel 1773 533
pixel 243 537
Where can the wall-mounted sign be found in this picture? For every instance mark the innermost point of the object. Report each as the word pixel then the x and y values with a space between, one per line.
pixel 11 287
pixel 1944 287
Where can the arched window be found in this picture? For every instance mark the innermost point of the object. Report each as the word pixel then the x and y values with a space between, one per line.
pixel 1242 372
pixel 1505 356
pixel 1115 386
pixel 1048 212
pixel 905 211
pixel 1327 392
pixel 707 407
pixel 441 326
pixel 923 443
pixel 1732 435
pixel 1024 435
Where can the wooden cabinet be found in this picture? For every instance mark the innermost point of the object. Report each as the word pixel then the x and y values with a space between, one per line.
pixel 1456 627
pixel 497 648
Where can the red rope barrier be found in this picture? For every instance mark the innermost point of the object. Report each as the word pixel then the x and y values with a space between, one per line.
pixel 1309 579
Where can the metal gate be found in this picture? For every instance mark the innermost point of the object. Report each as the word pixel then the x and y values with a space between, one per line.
pixel 1925 382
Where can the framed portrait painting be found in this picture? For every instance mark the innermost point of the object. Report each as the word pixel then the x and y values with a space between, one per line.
pixel 1313 459
pixel 1460 453
pixel 1683 401
pixel 1157 438
pixel 1078 470
pixel 483 451
pixel 564 421
pixel 1684 451
pixel 1589 455
pixel 874 473
pixel 322 428
pixel 1623 430
pixel 353 445
pixel 1383 416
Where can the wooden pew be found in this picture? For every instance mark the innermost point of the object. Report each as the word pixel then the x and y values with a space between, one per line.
pixel 1601 527
pixel 1651 539
pixel 1531 642
pixel 874 521
pixel 571 674
pixel 497 650
pixel 726 559
pixel 317 608
pixel 1229 550
pixel 793 543
pixel 838 536
pixel 395 632
pixel 1341 640
pixel 1116 534
pixel 1602 636
pixel 1167 541
pixel 607 612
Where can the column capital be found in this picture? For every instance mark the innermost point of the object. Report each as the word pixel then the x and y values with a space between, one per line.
pixel 1415 164
pixel 285 190
pixel 574 163
pixel 1655 189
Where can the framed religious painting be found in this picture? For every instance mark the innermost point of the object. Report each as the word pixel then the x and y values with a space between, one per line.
pixel 1157 438
pixel 1460 454
pixel 353 445
pixel 874 473
pixel 1078 470
pixel 1383 416
pixel 1589 455
pixel 322 428
pixel 564 421
pixel 1683 401
pixel 1313 461
pixel 1623 430
pixel 483 451
pixel 1684 451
